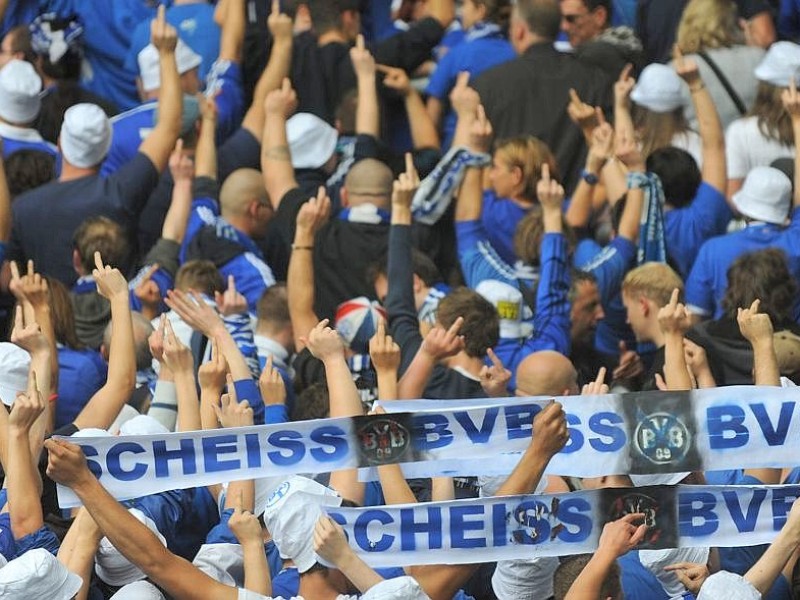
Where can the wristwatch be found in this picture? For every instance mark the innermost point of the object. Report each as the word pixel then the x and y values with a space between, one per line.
pixel 590 178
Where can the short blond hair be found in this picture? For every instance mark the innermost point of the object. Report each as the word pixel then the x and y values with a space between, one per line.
pixel 655 281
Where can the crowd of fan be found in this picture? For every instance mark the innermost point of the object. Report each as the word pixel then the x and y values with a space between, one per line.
pixel 305 207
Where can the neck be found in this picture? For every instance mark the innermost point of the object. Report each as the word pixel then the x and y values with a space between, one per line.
pixel 70 171
pixel 655 336
pixel 333 36
pixel 238 221
pixel 531 39
pixel 317 586
pixel 468 363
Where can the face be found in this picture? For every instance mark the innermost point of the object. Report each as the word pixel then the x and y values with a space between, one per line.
pixel 578 23
pixel 587 311
pixel 471 13
pixel 503 177
pixel 636 309
pixel 6 52
pixel 381 287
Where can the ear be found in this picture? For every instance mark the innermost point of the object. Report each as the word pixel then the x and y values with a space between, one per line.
pixel 644 304
pixel 76 262
pixel 252 208
pixel 418 283
pixel 516 175
pixel 344 197
pixel 600 16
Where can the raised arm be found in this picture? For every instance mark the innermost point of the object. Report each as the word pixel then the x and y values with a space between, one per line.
pixel 5 204
pixel 764 573
pixel 713 138
pixel 300 276
pixel 106 403
pixel 205 155
pixel 600 150
pixel 674 321
pixel 280 60
pixel 133 539
pixel 628 153
pixel 78 549
pixel 756 328
pixel 423 127
pixel 231 37
pixel 247 529
pixel 276 159
pixel 623 123
pixel 331 545
pixel 470 196
pixel 159 143
pixel 182 169
pixel 180 361
pixel 367 112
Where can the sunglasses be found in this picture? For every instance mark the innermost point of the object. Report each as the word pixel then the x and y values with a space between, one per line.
pixel 572 19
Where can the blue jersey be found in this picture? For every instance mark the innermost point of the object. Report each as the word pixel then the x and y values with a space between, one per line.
pixel 25 138
pixel 107 29
pixel 81 373
pixel 687 228
pixel 500 217
pixel 708 279
pixel 211 237
pixel 609 266
pixel 196 28
pixel 18 12
pixel 473 56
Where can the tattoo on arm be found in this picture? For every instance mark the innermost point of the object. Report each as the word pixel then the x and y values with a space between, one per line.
pixel 278 153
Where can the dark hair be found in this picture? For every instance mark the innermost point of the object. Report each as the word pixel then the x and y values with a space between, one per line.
pixel 346 111
pixel 679 174
pixel 497 11
pixel 199 275
pixel 27 169
pixel 62 314
pixel 101 234
pixel 764 275
pixel 543 17
pixel 773 121
pixel 593 5
pixel 273 306
pixel 326 14
pixel 69 65
pixel 528 236
pixel 481 328
pixel 421 265
pixel 578 276
pixel 312 403
pixel 21 42
pixel 567 572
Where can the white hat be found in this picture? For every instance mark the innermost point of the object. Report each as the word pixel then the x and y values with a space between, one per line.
pixel 292 522
pixel 19 92
pixel 730 586
pixel 138 590
pixel 142 425
pixel 14 365
pixel 765 196
pixel 150 70
pixel 660 479
pixel 85 135
pixel 311 140
pixel 780 64
pixel 38 574
pixel 659 89
pixel 221 562
pixel 398 588
pixel 510 305
pixel 112 567
pixel 91 432
pixel 126 413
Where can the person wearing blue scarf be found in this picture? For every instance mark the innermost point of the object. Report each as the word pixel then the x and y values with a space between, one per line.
pixel 485 45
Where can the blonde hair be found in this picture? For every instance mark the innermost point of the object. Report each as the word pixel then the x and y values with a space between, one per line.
pixel 529 154
pixel 708 24
pixel 656 129
pixel 655 281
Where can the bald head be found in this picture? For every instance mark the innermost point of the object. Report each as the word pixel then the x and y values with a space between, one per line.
pixel 239 190
pixel 546 373
pixel 369 181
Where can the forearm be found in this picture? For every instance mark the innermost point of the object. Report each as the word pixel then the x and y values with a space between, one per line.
pixel 676 374
pixel 232 35
pixel 470 196
pixel 526 475
pixel 170 97
pixel 344 398
pixel 45 423
pixel 413 382
pixel 796 130
pixel 177 216
pixel 765 363
pixel 209 397
pixel 552 220
pixel 367 112
pixel 237 365
pixel 188 404
pixel 629 222
pixel 5 204
pixel 590 580
pixel 442 489
pixel 276 159
pixel 256 570
pixel 357 571
pixel 423 128
pixel 580 205
pixel 22 486
pixel 300 286
pixel 45 321
pixel 387 384
pixel 614 179
pixel 280 60
pixel 712 136
pixel 395 487
pixel 78 550
pixel 164 406
pixel 623 122
pixel 434 108
pixel 763 574
pixel 205 155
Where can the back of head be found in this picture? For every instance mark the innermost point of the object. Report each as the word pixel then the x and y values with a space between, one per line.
pixel 481 328
pixel 679 174
pixel 654 281
pixel 569 569
pixel 546 373
pixel 273 307
pixel 762 275
pixel 326 14
pixel 20 43
pixel 101 234
pixel 85 136
pixel 497 11
pixel 27 169
pixel 201 276
pixel 62 314
pixel 542 17
pixel 239 189
pixel 707 24
pixel 369 181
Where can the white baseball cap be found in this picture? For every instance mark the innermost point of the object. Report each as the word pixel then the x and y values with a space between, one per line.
pixel 729 586
pixel 112 567
pixel 14 365
pixel 20 86
pixel 765 196
pixel 138 590
pixel 85 135
pixel 659 89
pixel 150 70
pixel 312 141
pixel 398 588
pixel 510 305
pixel 291 514
pixel 780 64
pixel 38 574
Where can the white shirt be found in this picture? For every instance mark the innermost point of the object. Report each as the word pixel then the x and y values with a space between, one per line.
pixel 746 147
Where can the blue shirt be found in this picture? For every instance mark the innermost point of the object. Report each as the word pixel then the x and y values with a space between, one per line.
pixel 25 138
pixel 638 583
pixel 108 26
pixel 196 28
pixel 474 56
pixel 80 374
pixel 687 228
pixel 500 217
pixel 708 279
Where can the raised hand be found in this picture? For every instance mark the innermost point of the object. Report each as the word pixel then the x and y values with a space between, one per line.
pixel 177 355
pixel 674 318
pixel 623 86
pixel 31 287
pixel 282 101
pixel 194 310
pixel 791 100
pixel 405 185
pixel 323 342
pixel 27 407
pixel 230 302
pixel 27 334
pixel 583 115
pixel 549 191
pixel 110 282
pixel 623 535
pixel 464 99
pixel 231 412
pixel 691 575
pixel 329 541
pixel 212 374
pixel 279 24
pixel 314 213
pixel 383 350
pixel 755 327
pixel 602 146
pixel 162 34
pixel 244 524
pixel 66 463
pixel 687 69
pixel 180 165
pixel 147 290
pixel 441 343
pixel 597 387
pixel 627 150
pixel 271 385
pixel 550 432
pixel 396 79
pixel 494 379
pixel 630 364
pixel 480 133
pixel 363 61
pixel 156 340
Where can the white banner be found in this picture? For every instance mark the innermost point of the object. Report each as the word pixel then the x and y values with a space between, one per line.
pixel 659 432
pixel 518 527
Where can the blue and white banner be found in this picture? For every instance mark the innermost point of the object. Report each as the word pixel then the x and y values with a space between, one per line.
pixel 524 527
pixel 651 433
